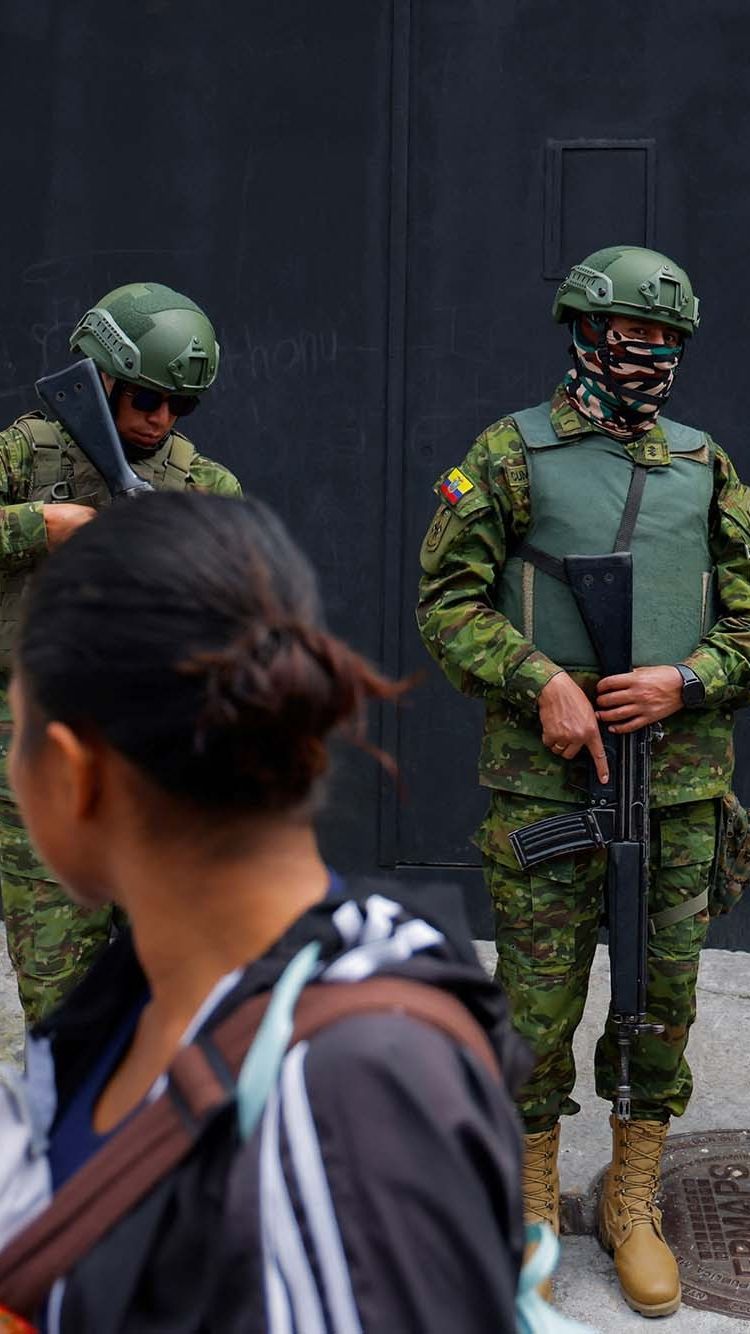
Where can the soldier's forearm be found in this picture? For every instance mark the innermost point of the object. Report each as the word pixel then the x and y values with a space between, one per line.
pixel 482 654
pixel 722 661
pixel 23 535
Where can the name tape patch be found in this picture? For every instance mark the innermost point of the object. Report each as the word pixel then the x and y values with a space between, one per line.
pixel 517 475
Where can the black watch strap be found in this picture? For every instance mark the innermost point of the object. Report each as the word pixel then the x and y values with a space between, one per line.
pixel 693 690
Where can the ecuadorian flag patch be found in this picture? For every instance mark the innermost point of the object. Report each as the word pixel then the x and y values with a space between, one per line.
pixel 455 485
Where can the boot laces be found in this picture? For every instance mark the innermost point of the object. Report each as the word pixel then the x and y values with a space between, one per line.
pixel 639 1176
pixel 539 1179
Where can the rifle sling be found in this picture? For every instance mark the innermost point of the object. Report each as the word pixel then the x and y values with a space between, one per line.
pixel 551 565
pixel 632 508
pixel 157 1137
pixel 671 916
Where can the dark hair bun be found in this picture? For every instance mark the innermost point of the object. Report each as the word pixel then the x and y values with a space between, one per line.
pixel 185 628
pixel 271 697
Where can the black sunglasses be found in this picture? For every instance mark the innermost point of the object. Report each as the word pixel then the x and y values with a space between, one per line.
pixel 150 400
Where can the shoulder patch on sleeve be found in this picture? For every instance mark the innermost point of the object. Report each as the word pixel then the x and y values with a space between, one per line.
pixel 437 528
pixel 442 532
pixel 455 485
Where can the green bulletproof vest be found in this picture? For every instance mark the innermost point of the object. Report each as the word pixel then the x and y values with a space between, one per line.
pixel 61 472
pixel 578 494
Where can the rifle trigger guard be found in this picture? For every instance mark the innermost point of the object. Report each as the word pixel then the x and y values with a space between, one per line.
pixel 602 821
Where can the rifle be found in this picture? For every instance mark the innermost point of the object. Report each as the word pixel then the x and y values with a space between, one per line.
pixel 76 398
pixel 618 817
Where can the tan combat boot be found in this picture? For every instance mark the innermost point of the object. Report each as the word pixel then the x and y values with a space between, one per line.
pixel 630 1223
pixel 541 1187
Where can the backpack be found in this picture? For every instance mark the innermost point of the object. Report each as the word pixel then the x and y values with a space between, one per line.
pixel 157 1137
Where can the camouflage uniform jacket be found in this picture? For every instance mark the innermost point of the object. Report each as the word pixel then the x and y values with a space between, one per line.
pixel 23 536
pixel 484 655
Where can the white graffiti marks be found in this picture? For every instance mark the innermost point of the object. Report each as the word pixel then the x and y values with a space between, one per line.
pixel 303 354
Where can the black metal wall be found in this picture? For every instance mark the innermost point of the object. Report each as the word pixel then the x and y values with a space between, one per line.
pixel 375 202
pixel 539 132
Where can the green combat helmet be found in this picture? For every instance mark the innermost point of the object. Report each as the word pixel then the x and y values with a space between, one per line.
pixel 627 280
pixel 150 335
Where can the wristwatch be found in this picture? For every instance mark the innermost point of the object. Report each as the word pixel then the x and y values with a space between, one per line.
pixel 693 690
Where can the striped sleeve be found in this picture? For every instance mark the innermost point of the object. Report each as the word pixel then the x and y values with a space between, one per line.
pixel 388 1193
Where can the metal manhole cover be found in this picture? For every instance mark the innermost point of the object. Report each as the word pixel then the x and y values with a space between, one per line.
pixel 705 1197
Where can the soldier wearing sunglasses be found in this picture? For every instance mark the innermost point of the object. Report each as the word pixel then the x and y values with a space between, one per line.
pixel 157 354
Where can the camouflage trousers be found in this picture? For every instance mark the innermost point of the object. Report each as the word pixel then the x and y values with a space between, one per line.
pixel 51 942
pixel 547 925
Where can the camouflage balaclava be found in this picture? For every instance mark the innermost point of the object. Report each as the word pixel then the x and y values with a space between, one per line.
pixel 620 384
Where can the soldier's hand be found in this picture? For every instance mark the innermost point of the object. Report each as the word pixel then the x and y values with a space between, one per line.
pixel 632 700
pixel 569 722
pixel 61 521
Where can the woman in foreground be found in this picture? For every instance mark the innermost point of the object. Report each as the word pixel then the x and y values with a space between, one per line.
pixel 173 696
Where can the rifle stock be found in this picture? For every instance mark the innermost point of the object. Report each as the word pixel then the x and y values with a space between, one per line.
pixel 76 398
pixel 603 589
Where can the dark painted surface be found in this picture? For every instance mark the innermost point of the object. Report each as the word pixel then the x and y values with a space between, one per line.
pixel 539 133
pixel 374 201
pixel 241 155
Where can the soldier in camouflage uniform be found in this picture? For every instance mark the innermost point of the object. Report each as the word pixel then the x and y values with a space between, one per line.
pixel 536 486
pixel 157 354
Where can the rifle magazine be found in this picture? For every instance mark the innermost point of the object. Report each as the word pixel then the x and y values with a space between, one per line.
pixel 556 836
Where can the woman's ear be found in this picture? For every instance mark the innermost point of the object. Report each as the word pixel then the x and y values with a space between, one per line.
pixel 78 766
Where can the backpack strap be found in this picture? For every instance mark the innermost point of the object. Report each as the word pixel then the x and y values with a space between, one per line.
pixel 201 1085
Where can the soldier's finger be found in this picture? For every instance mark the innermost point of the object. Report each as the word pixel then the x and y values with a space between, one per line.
pixel 596 750
pixel 615 697
pixel 620 682
pixel 621 714
pixel 556 743
pixel 632 726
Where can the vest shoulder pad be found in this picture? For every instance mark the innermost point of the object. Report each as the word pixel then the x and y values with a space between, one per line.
pixel 39 431
pixel 47 443
pixel 683 439
pixel 535 427
pixel 182 452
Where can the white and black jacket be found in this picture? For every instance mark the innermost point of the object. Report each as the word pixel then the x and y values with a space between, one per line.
pixel 381 1190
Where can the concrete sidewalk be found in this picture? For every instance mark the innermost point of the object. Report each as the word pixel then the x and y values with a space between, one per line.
pixel 719 1052
pixel 585 1285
